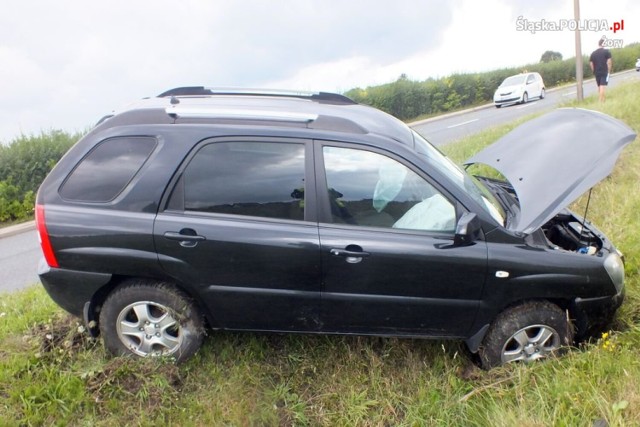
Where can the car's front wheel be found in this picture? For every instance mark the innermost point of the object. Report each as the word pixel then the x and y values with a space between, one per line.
pixel 527 332
pixel 151 319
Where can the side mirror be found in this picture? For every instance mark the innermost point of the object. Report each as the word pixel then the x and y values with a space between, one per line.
pixel 467 230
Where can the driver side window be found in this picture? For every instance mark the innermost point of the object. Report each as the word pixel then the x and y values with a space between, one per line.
pixel 369 189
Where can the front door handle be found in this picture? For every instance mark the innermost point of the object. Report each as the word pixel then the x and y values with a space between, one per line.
pixel 187 237
pixel 352 253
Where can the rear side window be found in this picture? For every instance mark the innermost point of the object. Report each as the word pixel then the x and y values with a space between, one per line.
pixel 107 169
pixel 263 179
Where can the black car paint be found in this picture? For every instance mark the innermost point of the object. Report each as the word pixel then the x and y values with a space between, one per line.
pixel 278 275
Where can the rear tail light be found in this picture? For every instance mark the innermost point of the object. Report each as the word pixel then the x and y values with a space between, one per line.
pixel 43 236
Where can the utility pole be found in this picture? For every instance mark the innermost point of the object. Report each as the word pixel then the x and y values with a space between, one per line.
pixel 579 76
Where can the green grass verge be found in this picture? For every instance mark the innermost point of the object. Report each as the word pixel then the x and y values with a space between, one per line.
pixel 52 374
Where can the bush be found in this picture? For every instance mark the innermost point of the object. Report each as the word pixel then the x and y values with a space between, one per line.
pixel 27 160
pixel 13 204
pixel 625 58
pixel 24 163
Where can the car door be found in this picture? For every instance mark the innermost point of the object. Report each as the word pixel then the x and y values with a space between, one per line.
pixel 238 229
pixel 386 237
pixel 533 86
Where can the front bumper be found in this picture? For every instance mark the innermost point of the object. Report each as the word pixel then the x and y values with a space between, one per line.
pixel 505 100
pixel 593 315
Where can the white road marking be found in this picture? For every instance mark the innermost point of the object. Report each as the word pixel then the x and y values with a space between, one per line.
pixel 462 124
pixel 523 106
pixel 569 93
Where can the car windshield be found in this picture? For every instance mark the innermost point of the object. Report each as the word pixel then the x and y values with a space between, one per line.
pixel 460 178
pixel 513 81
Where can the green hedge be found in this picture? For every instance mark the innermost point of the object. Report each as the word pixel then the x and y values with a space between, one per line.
pixel 24 163
pixel 13 204
pixel 407 99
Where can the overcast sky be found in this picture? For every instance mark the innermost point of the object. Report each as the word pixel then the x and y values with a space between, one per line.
pixel 66 63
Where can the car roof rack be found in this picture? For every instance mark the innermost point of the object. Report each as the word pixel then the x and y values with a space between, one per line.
pixel 177 111
pixel 207 91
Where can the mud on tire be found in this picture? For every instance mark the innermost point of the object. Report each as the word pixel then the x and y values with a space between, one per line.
pixel 527 332
pixel 145 318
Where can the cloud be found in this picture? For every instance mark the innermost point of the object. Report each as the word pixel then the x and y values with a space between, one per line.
pixel 68 62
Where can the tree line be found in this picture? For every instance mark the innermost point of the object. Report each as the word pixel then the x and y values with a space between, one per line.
pixel 408 99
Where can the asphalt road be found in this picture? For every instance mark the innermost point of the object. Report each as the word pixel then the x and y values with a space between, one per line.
pixel 19 256
pixel 451 127
pixel 20 253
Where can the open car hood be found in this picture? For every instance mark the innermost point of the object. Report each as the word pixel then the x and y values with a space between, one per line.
pixel 552 160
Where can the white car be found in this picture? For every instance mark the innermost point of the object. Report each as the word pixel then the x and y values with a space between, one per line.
pixel 519 89
pixel 638 65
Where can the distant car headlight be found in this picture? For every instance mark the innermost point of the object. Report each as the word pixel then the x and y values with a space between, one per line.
pixel 615 268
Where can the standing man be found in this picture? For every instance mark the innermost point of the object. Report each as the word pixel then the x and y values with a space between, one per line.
pixel 600 63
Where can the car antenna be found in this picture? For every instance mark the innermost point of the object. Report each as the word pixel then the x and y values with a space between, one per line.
pixel 584 217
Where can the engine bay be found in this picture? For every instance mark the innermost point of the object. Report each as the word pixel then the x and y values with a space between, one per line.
pixel 566 232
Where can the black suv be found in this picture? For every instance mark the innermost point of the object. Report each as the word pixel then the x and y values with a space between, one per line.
pixel 298 212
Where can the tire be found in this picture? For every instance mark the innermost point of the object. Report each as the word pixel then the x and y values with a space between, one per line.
pixel 151 319
pixel 525 98
pixel 527 332
pixel 542 93
pixel 498 106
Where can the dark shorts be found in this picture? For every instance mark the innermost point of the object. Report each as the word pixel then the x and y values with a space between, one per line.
pixel 601 79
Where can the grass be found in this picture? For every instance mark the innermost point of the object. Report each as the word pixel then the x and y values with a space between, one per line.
pixel 52 374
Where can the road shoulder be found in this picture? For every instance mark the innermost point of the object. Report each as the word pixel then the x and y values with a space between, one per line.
pixel 17 229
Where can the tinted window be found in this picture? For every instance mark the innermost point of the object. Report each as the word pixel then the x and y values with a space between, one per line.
pixel 247 178
pixel 370 189
pixel 107 169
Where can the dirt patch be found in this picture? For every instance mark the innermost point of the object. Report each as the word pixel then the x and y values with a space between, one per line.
pixel 153 383
pixel 63 334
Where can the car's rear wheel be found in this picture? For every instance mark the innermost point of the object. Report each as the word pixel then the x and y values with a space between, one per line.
pixel 542 93
pixel 151 319
pixel 525 98
pixel 527 332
